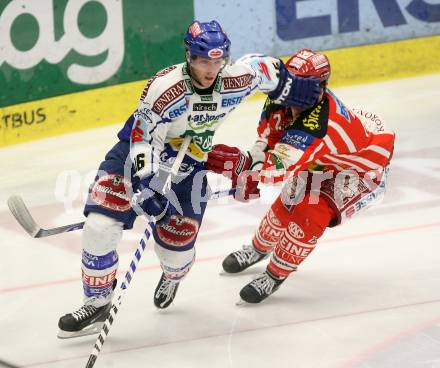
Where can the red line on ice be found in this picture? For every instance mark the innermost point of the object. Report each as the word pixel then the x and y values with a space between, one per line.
pixel 213 258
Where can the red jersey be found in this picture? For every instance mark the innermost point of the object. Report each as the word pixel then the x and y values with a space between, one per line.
pixel 327 136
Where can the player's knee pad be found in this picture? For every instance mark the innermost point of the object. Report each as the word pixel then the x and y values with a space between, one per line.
pixel 309 220
pixel 101 235
pixel 268 233
pixel 174 261
pixel 306 224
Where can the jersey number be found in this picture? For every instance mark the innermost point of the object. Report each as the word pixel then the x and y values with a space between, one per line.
pixel 139 161
pixel 277 118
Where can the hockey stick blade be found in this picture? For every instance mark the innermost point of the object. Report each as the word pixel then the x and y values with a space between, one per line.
pixel 27 222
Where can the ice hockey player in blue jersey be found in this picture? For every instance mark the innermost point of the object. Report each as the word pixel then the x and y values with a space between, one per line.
pixel 192 98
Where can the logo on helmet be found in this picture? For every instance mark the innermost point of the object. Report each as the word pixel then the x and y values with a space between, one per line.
pixel 319 61
pixel 215 53
pixel 305 54
pixel 297 63
pixel 195 29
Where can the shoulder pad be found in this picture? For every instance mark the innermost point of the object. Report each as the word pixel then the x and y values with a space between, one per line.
pixel 165 88
pixel 154 77
pixel 313 121
pixel 236 76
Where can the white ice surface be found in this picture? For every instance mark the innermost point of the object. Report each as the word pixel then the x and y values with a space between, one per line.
pixel 369 295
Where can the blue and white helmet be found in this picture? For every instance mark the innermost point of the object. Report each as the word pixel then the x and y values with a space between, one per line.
pixel 207 40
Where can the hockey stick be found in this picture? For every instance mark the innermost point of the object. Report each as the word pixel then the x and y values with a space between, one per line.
pixel 135 260
pixel 21 213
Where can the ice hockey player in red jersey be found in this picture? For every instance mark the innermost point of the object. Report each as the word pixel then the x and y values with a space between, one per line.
pixel 334 162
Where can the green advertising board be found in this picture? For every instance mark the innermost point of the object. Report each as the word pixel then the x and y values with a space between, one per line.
pixel 53 47
pixel 69 65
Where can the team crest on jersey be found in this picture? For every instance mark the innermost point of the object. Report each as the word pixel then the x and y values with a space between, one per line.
pixel 137 132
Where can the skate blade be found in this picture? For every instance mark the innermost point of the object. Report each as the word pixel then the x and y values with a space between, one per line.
pixel 161 309
pixel 93 329
pixel 241 303
pixel 224 273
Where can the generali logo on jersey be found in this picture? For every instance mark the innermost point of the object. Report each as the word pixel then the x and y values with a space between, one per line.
pixel 237 82
pixel 151 80
pixel 170 95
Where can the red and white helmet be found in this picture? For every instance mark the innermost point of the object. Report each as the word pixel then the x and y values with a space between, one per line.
pixel 308 63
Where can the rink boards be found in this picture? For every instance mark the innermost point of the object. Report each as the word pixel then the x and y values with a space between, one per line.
pixel 110 105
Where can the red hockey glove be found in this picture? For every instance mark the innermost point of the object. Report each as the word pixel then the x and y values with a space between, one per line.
pixel 236 165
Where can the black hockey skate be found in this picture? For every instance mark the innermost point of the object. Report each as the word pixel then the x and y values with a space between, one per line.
pixel 260 288
pixel 87 320
pixel 241 259
pixel 165 292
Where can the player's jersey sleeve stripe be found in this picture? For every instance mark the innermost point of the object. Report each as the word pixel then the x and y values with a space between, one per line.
pixel 344 162
pixel 295 170
pixel 380 150
pixel 328 141
pixel 370 164
pixel 327 164
pixel 317 149
pixel 344 136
